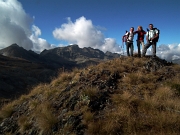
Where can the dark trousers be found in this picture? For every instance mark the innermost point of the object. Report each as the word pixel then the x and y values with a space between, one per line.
pixel 129 45
pixel 147 45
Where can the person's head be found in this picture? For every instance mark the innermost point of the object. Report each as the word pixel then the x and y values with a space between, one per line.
pixel 150 26
pixel 132 29
pixel 140 28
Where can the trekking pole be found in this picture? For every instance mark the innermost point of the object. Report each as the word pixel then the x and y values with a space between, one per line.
pixel 123 47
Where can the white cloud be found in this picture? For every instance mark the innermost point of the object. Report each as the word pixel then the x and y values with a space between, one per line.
pixel 36 30
pixel 175 57
pixel 15 27
pixel 169 52
pixel 39 44
pixel 14 24
pixel 85 34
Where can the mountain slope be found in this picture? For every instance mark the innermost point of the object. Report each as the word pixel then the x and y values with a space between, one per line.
pixel 120 96
pixel 16 51
pixel 18 75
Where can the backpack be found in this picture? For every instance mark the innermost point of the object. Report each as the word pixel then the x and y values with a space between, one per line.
pixel 156 39
pixel 127 36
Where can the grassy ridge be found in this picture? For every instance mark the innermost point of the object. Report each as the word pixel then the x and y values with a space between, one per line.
pixel 115 97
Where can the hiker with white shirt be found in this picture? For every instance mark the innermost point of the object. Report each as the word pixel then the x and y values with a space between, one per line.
pixel 129 36
pixel 152 37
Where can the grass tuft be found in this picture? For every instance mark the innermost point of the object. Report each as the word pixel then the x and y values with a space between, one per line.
pixel 6 111
pixel 24 124
pixel 45 117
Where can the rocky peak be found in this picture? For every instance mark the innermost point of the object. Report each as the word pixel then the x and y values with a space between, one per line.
pixel 16 51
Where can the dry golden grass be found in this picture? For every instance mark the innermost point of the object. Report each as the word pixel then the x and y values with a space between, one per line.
pixel 174 84
pixel 37 90
pixel 94 128
pixel 138 62
pixel 176 67
pixel 63 79
pixel 6 111
pixel 45 118
pixel 51 92
pixel 88 116
pixel 111 123
pixel 157 113
pixel 82 104
pixel 82 107
pixel 113 66
pixel 67 129
pixel 131 78
pixel 90 92
pixel 8 133
pixel 163 93
pixel 23 123
pixel 75 78
pixel 33 104
pixel 140 105
pixel 103 65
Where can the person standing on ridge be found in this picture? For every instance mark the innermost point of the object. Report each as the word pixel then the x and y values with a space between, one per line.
pixel 128 39
pixel 140 39
pixel 151 37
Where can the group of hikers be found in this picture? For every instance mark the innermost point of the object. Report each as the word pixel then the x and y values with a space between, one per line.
pixel 152 36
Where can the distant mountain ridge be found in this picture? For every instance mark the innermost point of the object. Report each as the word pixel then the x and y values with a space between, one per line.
pixel 21 69
pixel 16 51
pixel 66 56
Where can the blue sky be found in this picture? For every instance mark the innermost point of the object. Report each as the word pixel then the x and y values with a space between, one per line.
pixel 114 15
pixel 50 22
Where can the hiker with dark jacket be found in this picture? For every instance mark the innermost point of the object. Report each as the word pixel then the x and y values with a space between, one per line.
pixel 140 39
pixel 129 36
pixel 151 37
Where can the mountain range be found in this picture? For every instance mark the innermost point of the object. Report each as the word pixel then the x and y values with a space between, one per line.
pixel 21 69
pixel 68 57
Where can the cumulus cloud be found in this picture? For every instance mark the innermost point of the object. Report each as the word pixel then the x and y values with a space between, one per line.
pixel 169 52
pixel 16 26
pixel 85 34
pixel 39 44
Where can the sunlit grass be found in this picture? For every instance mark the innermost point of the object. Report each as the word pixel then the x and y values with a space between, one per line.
pixel 45 118
pixel 23 123
pixel 141 104
pixel 6 111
